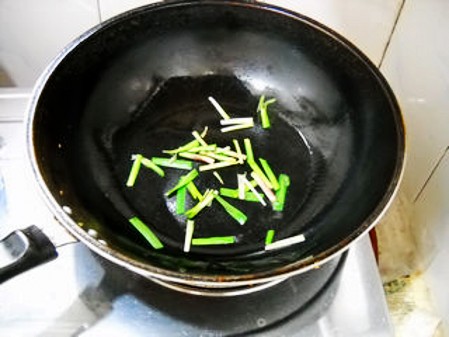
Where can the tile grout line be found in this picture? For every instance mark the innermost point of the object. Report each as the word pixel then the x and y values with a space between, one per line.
pixel 393 29
pixel 99 11
pixel 432 172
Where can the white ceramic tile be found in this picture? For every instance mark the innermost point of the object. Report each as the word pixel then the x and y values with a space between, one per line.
pixel 367 24
pixel 417 67
pixel 431 224
pixel 33 32
pixel 110 8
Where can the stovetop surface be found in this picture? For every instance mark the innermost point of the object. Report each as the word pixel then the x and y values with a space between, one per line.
pixel 81 294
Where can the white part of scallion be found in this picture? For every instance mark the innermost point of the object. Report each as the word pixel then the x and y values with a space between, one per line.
pixel 199 138
pixel 218 176
pixel 252 189
pixel 235 121
pixel 218 107
pixel 266 190
pixel 237 127
pixel 189 234
pixel 286 242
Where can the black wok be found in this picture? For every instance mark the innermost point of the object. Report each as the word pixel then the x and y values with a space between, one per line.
pixel 139 84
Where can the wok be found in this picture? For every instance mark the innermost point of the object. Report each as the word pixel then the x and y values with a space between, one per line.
pixel 140 83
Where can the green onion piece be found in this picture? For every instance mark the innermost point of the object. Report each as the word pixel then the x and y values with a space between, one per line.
pixel 233 193
pixel 184 180
pixel 269 237
pixel 197 157
pixel 199 138
pixel 181 200
pixel 184 148
pixel 218 176
pixel 286 242
pixel 204 133
pixel 252 189
pixel 260 173
pixel 248 149
pixel 253 183
pixel 217 165
pixel 189 234
pixel 284 182
pixel 134 170
pixel 207 198
pixel 238 215
pixel 193 190
pixel 211 147
pixel 266 190
pixel 152 166
pixel 217 156
pixel 263 109
pixel 218 107
pixel 241 185
pixel 173 163
pixel 269 173
pixel 216 240
pixel 237 127
pixel 240 155
pixel 146 233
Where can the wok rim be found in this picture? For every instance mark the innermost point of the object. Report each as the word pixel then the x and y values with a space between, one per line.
pixel 202 280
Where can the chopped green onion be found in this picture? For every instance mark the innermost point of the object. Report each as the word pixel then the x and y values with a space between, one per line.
pixel 269 173
pixel 193 190
pixel 237 127
pixel 284 182
pixel 204 133
pixel 199 138
pixel 252 189
pixel 184 148
pixel 197 157
pixel 134 170
pixel 215 166
pixel 269 237
pixel 238 215
pixel 218 176
pixel 216 240
pixel 266 190
pixel 218 107
pixel 184 180
pixel 239 151
pixel 173 163
pixel 241 186
pixel 263 109
pixel 152 166
pixel 286 242
pixel 234 121
pixel 146 232
pixel 181 200
pixel 216 156
pixel 211 147
pixel 189 234
pixel 233 193
pixel 248 150
pixel 207 198
pixel 260 173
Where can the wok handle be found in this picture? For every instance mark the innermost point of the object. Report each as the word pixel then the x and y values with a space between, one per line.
pixel 24 249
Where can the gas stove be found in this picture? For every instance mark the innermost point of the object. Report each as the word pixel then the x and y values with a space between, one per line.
pixel 81 294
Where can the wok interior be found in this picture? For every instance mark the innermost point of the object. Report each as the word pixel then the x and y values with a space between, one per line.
pixel 140 85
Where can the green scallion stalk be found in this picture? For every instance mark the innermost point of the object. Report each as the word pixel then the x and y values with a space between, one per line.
pixel 216 240
pixel 193 190
pixel 199 138
pixel 152 166
pixel 181 200
pixel 260 173
pixel 238 215
pixel 211 147
pixel 173 163
pixel 137 161
pixel 284 183
pixel 184 148
pixel 270 236
pixel 262 108
pixel 248 150
pixel 184 180
pixel 269 173
pixel 234 194
pixel 207 198
pixel 146 232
